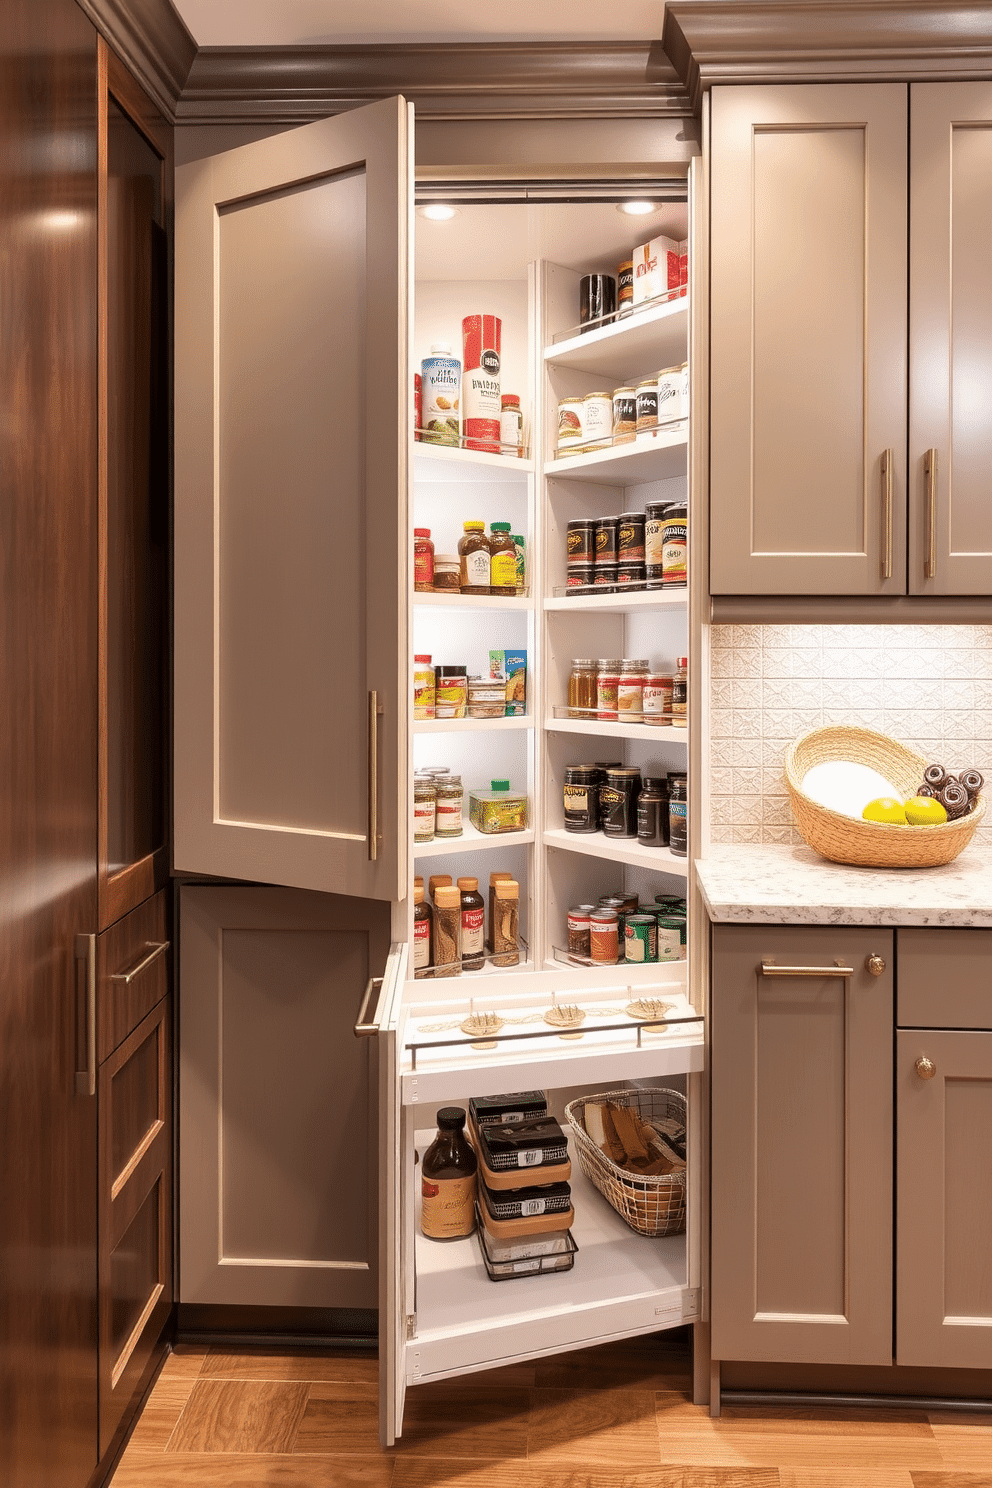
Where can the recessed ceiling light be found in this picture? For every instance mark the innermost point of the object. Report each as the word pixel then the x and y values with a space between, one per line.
pixel 438 212
pixel 637 208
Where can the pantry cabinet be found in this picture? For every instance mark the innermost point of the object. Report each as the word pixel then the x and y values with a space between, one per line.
pixel 801 1162
pixel 835 467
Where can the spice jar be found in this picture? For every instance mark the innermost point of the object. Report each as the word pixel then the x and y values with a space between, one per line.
pixel 423 687
pixel 597 419
pixel 447 931
pixel 674 550
pixel 607 684
pixel 423 933
pixel 582 688
pixel 450 796
pixel 657 698
pixel 678 813
pixel 652 812
pixel 452 692
pixel 494 879
pixel 506 923
pixel 647 405
pixel 604 940
pixel 423 561
pixel 473 909
pixel 424 808
pixel 654 541
pixel 580 798
pixel 511 425
pixel 680 693
pixel 630 690
pixel 502 560
pixel 447 573
pixel 578 931
pixel 624 415
pixel 618 801
pixel 570 432
pixel 448 1180
pixel 473 554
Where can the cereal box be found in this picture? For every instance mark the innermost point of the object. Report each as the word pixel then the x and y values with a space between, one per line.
pixel 511 667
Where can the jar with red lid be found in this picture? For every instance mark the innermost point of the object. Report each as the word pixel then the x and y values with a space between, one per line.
pixel 423 561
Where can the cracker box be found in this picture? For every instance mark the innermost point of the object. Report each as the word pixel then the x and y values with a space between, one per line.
pixel 657 269
pixel 510 667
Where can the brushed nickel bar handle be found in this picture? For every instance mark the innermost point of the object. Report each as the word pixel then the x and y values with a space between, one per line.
pixel 930 481
pixel 363 1029
pixel 86 952
pixel 375 713
pixel 886 514
pixel 771 969
pixel 157 948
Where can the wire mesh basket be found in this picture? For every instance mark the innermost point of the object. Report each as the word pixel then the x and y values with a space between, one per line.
pixel 653 1204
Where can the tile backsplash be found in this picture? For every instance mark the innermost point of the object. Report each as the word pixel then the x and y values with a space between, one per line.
pixel 929 686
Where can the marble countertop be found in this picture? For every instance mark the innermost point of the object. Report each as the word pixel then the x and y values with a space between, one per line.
pixel 761 885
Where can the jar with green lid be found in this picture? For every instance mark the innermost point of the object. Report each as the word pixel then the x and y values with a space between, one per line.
pixel 502 560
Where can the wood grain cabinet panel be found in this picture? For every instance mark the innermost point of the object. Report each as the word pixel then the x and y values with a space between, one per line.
pixel 808 340
pixel 135 1213
pixel 950 530
pixel 801 1146
pixel 133 967
pixel 944 1204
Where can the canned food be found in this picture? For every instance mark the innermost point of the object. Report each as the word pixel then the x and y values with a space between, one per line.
pixel 631 576
pixel 580 575
pixel 597 418
pixel 654 541
pixel 605 575
pixel 624 415
pixel 640 938
pixel 578 931
pixel 604 942
pixel 606 539
pixel 674 551
pixel 580 798
pixel 481 336
pixel 570 426
pixel 678 811
pixel 647 404
pixel 618 801
pixel 630 538
pixel 580 541
pixel 625 288
pixel 670 938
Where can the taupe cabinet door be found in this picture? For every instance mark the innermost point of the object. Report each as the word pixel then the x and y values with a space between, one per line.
pixel 808 340
pixel 944 1199
pixel 277 1109
pixel 801 1146
pixel 291 438
pixel 950 528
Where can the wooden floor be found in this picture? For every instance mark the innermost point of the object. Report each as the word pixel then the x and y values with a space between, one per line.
pixel 614 1417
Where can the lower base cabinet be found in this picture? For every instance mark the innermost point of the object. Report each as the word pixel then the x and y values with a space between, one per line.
pixel 806 1110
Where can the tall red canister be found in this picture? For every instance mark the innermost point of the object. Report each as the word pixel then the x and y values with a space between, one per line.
pixel 480 382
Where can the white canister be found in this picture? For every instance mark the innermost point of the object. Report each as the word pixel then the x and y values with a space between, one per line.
pixel 440 396
pixel 570 426
pixel 670 395
pixel 597 419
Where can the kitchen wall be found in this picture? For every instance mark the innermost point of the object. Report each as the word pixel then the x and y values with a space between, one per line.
pixel 929 686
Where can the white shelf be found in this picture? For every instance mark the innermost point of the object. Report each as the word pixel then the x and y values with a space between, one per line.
pixel 619 604
pixel 441 462
pixel 621 1282
pixel 658 733
pixel 471 840
pixel 618 850
pixel 642 343
pixel 472 725
pixel 658 455
pixel 470 602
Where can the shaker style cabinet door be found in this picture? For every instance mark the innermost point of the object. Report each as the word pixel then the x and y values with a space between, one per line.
pixel 808 340
pixel 950 339
pixel 291 437
pixel 801 1249
pixel 944 1198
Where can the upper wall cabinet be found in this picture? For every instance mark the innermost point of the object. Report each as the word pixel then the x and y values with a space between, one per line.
pixel 808 340
pixel 950 339
pixel 816 488
pixel 291 439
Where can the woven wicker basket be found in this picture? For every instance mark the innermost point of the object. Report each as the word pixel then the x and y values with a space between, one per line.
pixel 844 839
pixel 650 1205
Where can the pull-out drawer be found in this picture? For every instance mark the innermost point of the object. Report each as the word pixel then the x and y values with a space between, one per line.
pixel 944 978
pixel 132 967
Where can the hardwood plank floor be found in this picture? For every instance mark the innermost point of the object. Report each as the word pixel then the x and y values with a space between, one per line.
pixel 619 1416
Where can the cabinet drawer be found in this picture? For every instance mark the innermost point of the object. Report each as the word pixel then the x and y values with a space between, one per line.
pixel 944 979
pixel 132 968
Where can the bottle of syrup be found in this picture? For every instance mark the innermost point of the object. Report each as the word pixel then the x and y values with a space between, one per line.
pixel 448 1180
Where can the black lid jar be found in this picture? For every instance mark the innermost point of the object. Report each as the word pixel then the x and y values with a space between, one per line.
pixel 618 801
pixel 580 798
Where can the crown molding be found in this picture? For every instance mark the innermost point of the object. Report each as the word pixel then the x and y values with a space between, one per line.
pixel 151 40
pixel 478 80
pixel 782 41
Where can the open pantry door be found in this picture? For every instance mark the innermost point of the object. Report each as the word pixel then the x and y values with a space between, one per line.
pixel 395 1266
pixel 292 304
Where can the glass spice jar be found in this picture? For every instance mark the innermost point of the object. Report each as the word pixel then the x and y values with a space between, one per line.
pixel 423 561
pixel 424 808
pixel 423 933
pixel 511 425
pixel 680 693
pixel 652 813
pixel 582 688
pixel 447 578
pixel 657 699
pixel 630 690
pixel 607 686
pixel 450 798
pixel 423 687
pixel 447 931
pixel 506 923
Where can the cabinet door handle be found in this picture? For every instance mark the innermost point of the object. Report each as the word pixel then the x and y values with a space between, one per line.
pixel 363 1029
pixel 375 713
pixel 925 1068
pixel 86 954
pixel 886 514
pixel 772 969
pixel 155 949
pixel 930 483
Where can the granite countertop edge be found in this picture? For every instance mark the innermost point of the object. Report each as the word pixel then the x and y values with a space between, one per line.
pixel 752 884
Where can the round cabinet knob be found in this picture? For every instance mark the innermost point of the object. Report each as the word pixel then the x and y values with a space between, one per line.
pixel 874 965
pixel 925 1068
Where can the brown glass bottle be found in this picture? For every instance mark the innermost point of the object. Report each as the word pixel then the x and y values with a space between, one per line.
pixel 502 560
pixel 473 925
pixel 448 1180
pixel 474 560
pixel 423 933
